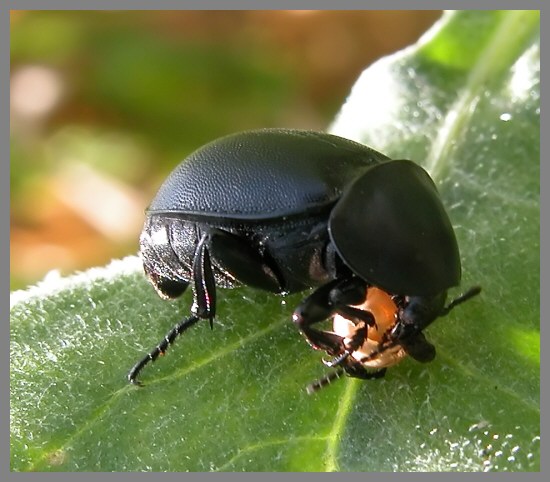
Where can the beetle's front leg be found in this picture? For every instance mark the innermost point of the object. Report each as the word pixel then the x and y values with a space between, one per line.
pixel 334 297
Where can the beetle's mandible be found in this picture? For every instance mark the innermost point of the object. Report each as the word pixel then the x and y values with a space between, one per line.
pixel 288 210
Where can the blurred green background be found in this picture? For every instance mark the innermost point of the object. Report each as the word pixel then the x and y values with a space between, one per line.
pixel 104 104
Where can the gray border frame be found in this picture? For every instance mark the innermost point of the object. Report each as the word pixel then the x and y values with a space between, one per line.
pixel 268 5
pixel 5 6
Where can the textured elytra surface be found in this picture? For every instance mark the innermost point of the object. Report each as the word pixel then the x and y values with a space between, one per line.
pixel 264 174
pixel 465 104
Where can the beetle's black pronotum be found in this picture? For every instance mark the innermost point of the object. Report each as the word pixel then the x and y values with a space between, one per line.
pixel 288 210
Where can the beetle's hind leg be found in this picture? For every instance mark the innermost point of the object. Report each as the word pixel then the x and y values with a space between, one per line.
pixel 204 301
pixel 204 307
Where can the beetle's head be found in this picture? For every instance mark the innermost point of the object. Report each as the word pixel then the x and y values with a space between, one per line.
pixel 417 313
pixel 400 325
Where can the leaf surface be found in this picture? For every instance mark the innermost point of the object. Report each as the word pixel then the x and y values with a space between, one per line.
pixel 464 103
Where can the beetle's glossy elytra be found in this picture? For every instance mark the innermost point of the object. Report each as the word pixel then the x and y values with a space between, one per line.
pixel 264 174
pixel 288 210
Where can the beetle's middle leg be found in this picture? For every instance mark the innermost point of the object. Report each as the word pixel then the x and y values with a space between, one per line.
pixel 331 298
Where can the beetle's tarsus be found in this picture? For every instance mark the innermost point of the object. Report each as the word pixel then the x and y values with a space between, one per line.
pixel 324 381
pixel 132 375
pixel 336 361
pixel 160 349
pixel 135 382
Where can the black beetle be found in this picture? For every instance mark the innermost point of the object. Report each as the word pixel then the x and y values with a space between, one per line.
pixel 287 210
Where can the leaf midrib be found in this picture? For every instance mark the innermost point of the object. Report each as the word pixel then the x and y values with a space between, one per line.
pixel 499 53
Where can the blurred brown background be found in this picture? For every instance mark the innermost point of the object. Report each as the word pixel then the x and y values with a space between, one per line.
pixel 105 104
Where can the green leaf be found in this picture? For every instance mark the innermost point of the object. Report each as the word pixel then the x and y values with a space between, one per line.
pixel 463 102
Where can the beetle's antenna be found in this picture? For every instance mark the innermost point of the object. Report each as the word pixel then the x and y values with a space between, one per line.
pixel 473 291
pixel 324 381
pixel 160 349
